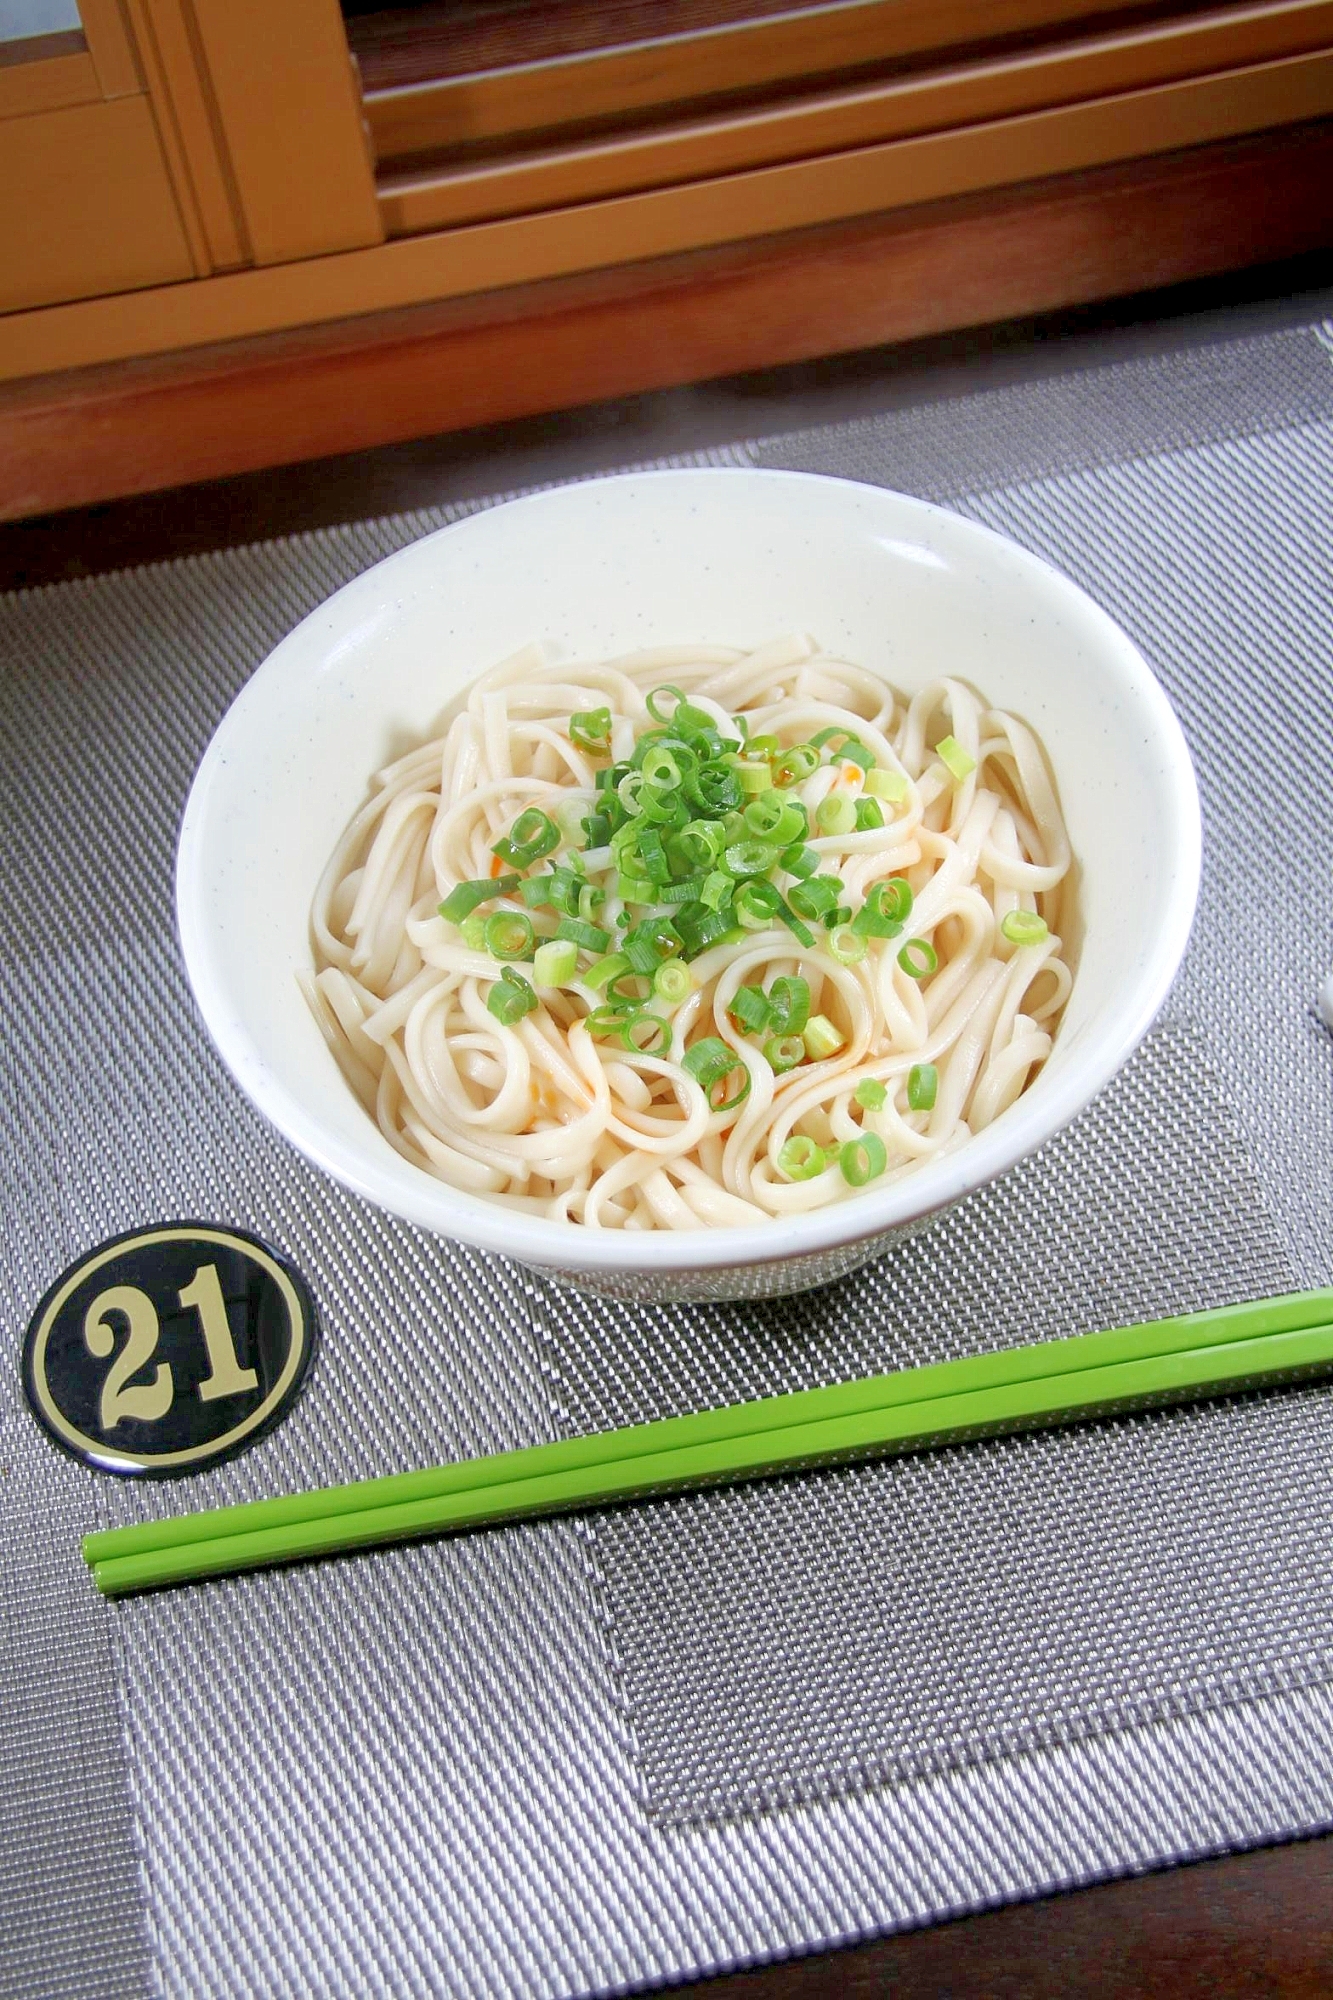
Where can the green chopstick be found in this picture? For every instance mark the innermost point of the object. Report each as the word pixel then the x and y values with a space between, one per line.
pixel 1264 1343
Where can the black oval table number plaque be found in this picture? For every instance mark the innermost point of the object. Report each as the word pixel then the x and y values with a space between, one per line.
pixel 167 1349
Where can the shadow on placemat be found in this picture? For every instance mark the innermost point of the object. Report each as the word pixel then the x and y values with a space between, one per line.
pixel 798 1638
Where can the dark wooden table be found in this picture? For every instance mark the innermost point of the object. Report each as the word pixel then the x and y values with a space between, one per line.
pixel 1245 1924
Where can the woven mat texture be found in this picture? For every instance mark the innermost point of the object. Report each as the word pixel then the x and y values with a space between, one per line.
pixel 569 1756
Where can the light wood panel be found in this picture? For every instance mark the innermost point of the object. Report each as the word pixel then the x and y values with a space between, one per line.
pixel 602 82
pixel 111 47
pixel 486 256
pixel 86 205
pixel 138 426
pixel 835 121
pixel 288 105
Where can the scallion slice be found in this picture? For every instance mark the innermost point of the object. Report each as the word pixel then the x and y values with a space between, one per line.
pixel 673 981
pixel 871 1094
pixel 586 936
pixel 848 946
pixel 836 814
pixel 463 900
pixel 890 786
pixel 783 1052
pixel 789 1000
pixel 821 1038
pixel 509 935
pixel 605 970
pixel 863 1159
pixel 801 1158
pixel 749 1005
pixel 555 962
pixel 711 1063
pixel 590 729
pixel 954 758
pixel 923 1082
pixel 1024 927
pixel 529 839
pixel 510 998
pixel 918 958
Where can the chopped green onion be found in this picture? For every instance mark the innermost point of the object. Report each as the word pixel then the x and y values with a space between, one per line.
pixel 871 1094
pixel 509 935
pixel 686 892
pixel 757 904
pixel 597 829
pixel 796 765
pixel 660 769
pixel 590 729
pixel 918 958
pixel 954 758
pixel 816 896
pixel 510 998
pixel 848 946
pixel 836 814
pixel 673 981
pixel 888 785
pixel 474 933
pixel 789 999
pixel 586 936
pixel 700 926
pixel 749 1005
pixel 536 891
pixel 635 888
pixel 800 862
pixel 800 1159
pixel 863 1159
pixel 753 776
pixel 651 702
pixel 697 846
pixel 779 820
pixel 531 837
pixel 645 1034
pixel 463 900
pixel 821 1038
pixel 851 748
pixel 591 899
pixel 750 857
pixel 783 1052
pixel 555 962
pixel 717 890
pixel 605 970
pixel 711 1062
pixel 923 1081
pixel 869 815
pixel 763 746
pixel 1024 927
pixel 604 1020
pixel 885 910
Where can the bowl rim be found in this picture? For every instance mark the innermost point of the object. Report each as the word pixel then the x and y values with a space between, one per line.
pixel 864 1217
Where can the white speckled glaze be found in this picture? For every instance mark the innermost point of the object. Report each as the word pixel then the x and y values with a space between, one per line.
pixel 732 557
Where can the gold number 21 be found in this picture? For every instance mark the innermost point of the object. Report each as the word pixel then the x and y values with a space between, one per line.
pixel 150 1400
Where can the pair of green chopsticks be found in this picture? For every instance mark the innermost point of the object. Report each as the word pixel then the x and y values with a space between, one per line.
pixel 1266 1343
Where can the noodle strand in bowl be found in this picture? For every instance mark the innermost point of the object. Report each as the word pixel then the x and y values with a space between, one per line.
pixel 695 937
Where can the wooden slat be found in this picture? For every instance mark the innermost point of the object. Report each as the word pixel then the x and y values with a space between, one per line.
pixel 191 139
pixel 85 204
pixel 487 256
pixel 287 102
pixel 525 94
pixel 47 81
pixel 111 47
pixel 1100 66
pixel 140 426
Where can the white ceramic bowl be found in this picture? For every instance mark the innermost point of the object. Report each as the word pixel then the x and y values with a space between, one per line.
pixel 733 557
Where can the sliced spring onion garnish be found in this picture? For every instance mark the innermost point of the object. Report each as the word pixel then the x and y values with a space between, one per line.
pixel 586 936
pixel 821 1038
pixel 510 998
pixel 890 786
pixel 555 962
pixel 789 1001
pixel 712 1063
pixel 1024 927
pixel 954 758
pixel 646 1034
pixel 848 946
pixel 590 729
pixel 796 764
pixel 750 1007
pixel 869 815
pixel 529 839
pixel 863 1159
pixel 605 970
pixel 673 981
pixel 800 1159
pixel 918 958
pixel 836 814
pixel 923 1082
pixel 871 1094
pixel 816 896
pixel 509 935
pixel 463 900
pixel 784 1052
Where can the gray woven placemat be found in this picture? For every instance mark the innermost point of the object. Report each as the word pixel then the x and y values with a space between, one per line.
pixel 432 1771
